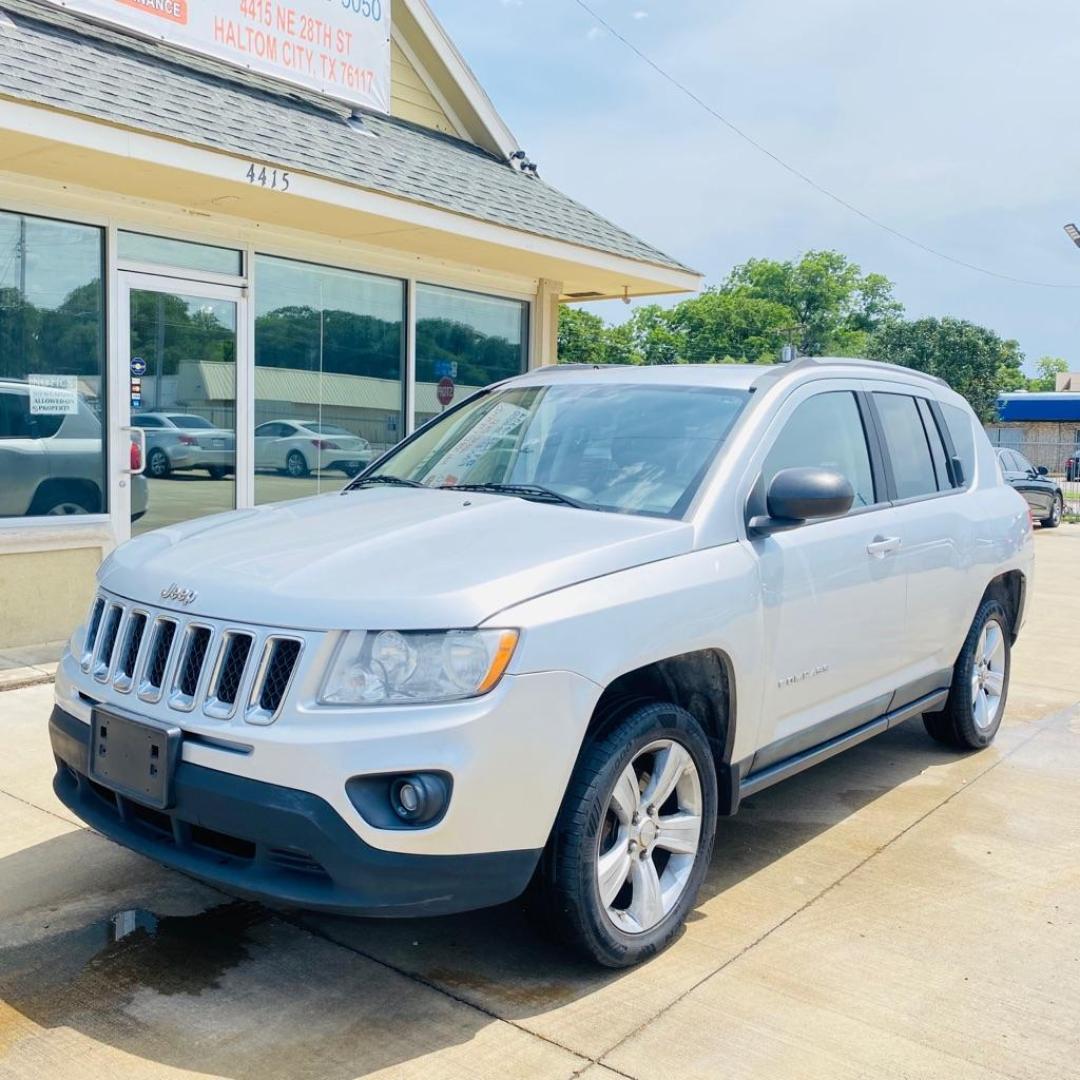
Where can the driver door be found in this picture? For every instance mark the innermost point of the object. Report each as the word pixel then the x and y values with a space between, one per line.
pixel 834 592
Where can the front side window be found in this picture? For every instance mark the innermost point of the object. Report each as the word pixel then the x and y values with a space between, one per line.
pixel 52 368
pixel 825 432
pixel 623 448
pixel 906 441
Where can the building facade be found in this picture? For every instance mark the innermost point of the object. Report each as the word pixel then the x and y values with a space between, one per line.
pixel 248 287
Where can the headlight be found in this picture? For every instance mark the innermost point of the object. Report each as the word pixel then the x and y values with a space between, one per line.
pixel 388 667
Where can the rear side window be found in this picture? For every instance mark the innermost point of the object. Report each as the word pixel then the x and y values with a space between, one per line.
pixel 907 444
pixel 963 438
pixel 825 432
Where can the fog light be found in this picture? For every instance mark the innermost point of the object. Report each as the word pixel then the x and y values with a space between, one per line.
pixel 408 798
pixel 401 800
pixel 420 798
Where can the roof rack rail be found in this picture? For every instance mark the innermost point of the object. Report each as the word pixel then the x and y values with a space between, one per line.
pixel 779 371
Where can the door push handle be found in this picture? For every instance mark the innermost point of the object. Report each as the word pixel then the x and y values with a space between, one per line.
pixel 881 546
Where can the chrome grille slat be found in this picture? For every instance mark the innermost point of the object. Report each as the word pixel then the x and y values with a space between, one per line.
pixel 106 644
pixel 277 667
pixel 178 662
pixel 126 666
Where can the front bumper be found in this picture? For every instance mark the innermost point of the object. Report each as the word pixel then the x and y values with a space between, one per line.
pixel 279 843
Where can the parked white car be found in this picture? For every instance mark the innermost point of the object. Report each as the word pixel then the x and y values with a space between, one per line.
pixel 549 639
pixel 300 447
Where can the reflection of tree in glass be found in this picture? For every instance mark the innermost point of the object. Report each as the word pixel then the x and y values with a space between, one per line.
pixel 161 322
pixel 352 344
pixel 481 358
pixel 67 339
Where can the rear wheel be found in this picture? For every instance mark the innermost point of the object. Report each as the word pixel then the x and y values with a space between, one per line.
pixel 217 472
pixel 1056 514
pixel 633 838
pixel 296 464
pixel 976 702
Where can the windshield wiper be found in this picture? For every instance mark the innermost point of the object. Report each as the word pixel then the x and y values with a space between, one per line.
pixel 363 481
pixel 536 492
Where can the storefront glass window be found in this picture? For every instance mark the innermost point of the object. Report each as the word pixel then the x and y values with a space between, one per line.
pixel 143 248
pixel 464 341
pixel 329 357
pixel 52 367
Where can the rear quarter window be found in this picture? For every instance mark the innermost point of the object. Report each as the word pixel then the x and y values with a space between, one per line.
pixel 958 421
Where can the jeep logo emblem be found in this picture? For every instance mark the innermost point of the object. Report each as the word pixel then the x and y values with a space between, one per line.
pixel 181 596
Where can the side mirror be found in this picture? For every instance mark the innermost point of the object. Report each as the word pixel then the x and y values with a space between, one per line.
pixel 797 496
pixel 1042 470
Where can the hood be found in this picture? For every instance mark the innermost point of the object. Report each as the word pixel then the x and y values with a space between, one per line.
pixel 384 558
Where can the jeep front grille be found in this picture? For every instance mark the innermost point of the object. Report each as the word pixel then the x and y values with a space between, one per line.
pixel 187 663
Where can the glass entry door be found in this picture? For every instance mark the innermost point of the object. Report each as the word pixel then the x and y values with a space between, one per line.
pixel 178 392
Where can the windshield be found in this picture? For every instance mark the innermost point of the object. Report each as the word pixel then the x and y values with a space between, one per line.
pixel 627 448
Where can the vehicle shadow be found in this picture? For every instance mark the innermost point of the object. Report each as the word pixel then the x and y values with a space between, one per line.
pixel 241 991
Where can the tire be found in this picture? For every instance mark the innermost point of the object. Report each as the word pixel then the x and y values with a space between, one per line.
pixel 217 472
pixel 637 921
pixel 1056 514
pixel 973 712
pixel 157 464
pixel 296 464
pixel 352 470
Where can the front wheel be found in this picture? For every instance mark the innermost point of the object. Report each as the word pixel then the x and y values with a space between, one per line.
pixel 217 472
pixel 1056 514
pixel 976 702
pixel 633 839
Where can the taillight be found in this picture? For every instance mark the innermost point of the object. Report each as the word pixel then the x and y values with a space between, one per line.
pixel 189 440
pixel 322 444
pixel 136 458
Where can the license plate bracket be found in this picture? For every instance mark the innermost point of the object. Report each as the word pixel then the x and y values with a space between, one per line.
pixel 134 757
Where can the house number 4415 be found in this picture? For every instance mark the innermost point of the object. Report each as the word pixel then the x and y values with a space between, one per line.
pixel 275 179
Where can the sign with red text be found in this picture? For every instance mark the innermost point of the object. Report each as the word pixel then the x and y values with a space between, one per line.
pixel 340 48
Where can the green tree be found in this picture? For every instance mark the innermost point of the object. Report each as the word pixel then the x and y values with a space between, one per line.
pixel 582 337
pixel 834 306
pixel 972 359
pixel 723 326
pixel 1049 368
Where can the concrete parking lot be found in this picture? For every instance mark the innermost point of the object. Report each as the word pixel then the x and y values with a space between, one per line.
pixel 901 911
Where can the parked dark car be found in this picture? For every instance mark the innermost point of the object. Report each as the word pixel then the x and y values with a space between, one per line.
pixel 1043 494
pixel 1072 466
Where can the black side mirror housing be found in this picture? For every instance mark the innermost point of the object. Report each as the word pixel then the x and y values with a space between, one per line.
pixel 797 496
pixel 1042 470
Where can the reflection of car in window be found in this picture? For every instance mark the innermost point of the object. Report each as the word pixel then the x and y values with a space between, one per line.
pixel 180 441
pixel 54 463
pixel 300 447
pixel 549 639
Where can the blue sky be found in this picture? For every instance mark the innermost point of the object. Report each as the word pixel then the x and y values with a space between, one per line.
pixel 953 120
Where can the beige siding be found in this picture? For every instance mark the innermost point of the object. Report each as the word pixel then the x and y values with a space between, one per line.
pixel 410 99
pixel 44 594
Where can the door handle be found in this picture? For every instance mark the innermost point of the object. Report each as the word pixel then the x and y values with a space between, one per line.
pixel 881 546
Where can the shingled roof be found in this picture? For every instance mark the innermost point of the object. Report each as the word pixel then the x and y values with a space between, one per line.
pixel 59 60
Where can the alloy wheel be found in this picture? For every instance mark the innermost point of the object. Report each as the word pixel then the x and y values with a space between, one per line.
pixel 988 675
pixel 649 837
